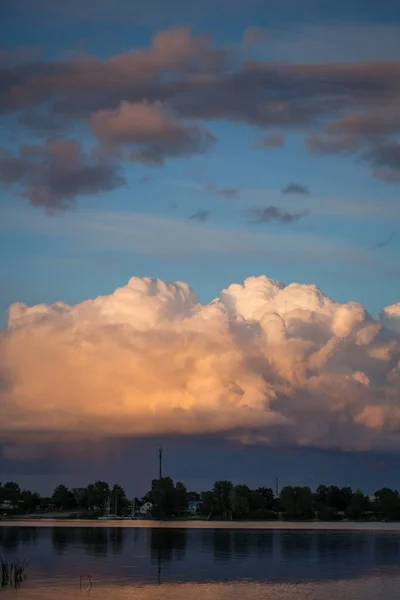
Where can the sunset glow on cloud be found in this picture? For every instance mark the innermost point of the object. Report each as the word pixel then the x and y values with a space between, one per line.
pixel 200 143
pixel 262 363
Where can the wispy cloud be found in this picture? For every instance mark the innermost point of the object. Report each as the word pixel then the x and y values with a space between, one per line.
pixel 296 188
pixel 270 140
pixel 148 235
pixel 201 215
pixel 273 213
pixel 229 193
pixel 386 241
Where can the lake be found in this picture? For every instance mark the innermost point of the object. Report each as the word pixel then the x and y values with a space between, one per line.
pixel 193 561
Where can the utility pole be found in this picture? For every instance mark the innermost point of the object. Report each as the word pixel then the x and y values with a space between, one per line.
pixel 160 451
pixel 276 487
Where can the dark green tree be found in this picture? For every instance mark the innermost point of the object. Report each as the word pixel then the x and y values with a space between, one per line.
pixel 30 500
pixel 387 504
pixel 358 507
pixel 209 503
pixel 240 501
pixel 181 497
pixel 222 497
pixel 119 499
pixel 297 502
pixel 164 496
pixel 63 498
pixel 81 496
pixel 98 493
pixel 11 492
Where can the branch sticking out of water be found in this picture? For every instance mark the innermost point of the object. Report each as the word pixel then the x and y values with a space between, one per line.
pixel 12 572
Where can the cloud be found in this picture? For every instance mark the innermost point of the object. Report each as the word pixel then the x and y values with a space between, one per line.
pixel 340 144
pixel 386 161
pixel 296 188
pixel 160 98
pixel 273 213
pixel 263 362
pixel 270 140
pixel 228 193
pixel 201 215
pixel 154 132
pixel 155 236
pixel 53 174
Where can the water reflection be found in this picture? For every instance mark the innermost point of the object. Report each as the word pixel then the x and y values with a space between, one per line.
pixel 12 537
pixel 171 555
pixel 95 540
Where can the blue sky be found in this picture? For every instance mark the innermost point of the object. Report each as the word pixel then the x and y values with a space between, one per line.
pixel 42 267
pixel 183 207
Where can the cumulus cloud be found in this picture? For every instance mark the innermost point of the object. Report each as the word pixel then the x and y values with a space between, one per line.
pixel 263 361
pixel 273 213
pixel 54 173
pixel 155 132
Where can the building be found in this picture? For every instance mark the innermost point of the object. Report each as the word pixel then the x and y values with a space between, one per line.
pixel 194 506
pixel 146 508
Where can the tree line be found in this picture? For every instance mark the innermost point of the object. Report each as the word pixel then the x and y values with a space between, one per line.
pixel 92 498
pixel 224 501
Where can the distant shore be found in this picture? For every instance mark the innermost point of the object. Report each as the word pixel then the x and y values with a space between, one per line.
pixel 203 524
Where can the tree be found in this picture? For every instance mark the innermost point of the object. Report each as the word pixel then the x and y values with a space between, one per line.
pixel 320 497
pixel 81 496
pixel 208 502
pixel 180 497
pixel 11 492
pixel 359 505
pixel 297 502
pixel 118 498
pixel 240 501
pixel 164 496
pixel 268 497
pixel 222 496
pixel 29 500
pixel 63 498
pixel 387 504
pixel 98 493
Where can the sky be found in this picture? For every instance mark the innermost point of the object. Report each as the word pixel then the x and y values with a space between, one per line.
pixel 199 241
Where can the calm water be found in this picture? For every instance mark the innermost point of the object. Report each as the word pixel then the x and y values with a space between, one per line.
pixel 213 561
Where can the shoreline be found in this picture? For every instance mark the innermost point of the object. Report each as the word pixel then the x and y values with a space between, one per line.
pixel 199 524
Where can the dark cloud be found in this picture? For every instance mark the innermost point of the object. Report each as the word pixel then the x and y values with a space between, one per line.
pixel 296 188
pixel 201 215
pixel 41 122
pixel 229 193
pixel 52 175
pixel 385 159
pixel 349 107
pixel 273 213
pixel 386 241
pixel 152 130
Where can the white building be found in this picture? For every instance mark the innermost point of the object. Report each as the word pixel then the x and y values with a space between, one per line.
pixel 146 508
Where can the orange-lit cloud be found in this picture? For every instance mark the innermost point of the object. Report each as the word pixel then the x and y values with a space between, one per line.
pixel 262 363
